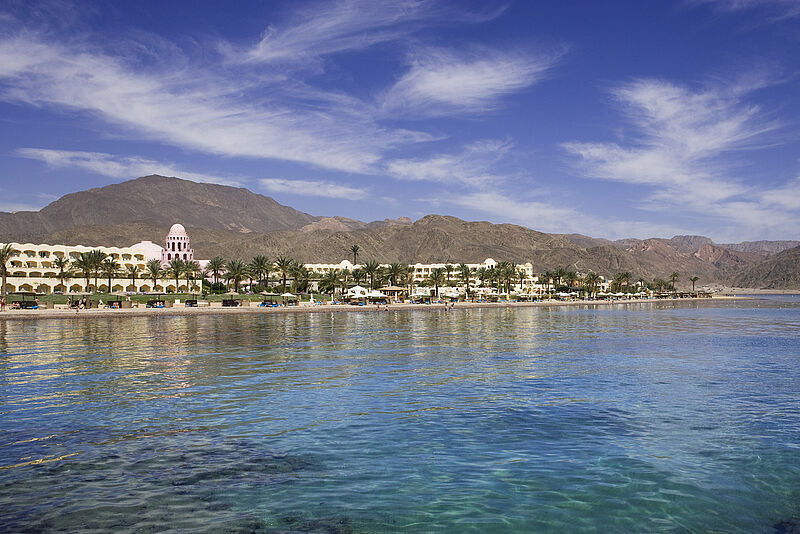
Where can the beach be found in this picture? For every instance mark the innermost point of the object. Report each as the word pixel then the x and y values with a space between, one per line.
pixel 64 313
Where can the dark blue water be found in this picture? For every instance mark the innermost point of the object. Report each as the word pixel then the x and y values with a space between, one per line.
pixel 640 418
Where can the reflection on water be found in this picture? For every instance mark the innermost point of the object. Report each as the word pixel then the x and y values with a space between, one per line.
pixel 656 417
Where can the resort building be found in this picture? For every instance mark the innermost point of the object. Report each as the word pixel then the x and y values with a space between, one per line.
pixel 422 271
pixel 33 270
pixel 176 245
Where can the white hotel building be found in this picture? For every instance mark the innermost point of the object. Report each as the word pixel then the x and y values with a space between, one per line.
pixel 423 270
pixel 32 269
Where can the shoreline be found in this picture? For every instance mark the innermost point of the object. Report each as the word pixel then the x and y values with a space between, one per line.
pixel 27 315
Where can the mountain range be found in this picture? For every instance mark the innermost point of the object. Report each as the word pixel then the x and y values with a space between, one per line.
pixel 235 222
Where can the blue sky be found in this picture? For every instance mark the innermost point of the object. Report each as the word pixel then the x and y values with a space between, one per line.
pixel 612 119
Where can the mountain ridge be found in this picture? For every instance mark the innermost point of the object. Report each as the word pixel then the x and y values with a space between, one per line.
pixel 235 222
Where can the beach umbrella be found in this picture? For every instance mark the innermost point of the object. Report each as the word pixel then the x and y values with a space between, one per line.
pixel 289 295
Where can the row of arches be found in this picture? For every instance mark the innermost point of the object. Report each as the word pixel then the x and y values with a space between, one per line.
pixel 46 289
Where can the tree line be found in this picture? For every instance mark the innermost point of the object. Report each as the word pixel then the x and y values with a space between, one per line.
pixel 96 265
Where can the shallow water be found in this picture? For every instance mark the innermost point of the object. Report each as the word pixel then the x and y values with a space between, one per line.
pixel 639 418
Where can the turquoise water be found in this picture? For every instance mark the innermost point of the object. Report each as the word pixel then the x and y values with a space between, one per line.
pixel 640 418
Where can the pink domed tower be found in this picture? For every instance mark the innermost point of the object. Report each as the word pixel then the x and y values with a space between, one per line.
pixel 177 245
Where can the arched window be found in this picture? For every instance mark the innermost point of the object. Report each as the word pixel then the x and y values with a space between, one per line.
pixel 173 246
pixel 169 257
pixel 184 256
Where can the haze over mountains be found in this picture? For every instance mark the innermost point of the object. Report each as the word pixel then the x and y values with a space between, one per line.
pixel 234 222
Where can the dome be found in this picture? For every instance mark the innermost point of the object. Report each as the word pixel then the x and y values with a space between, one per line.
pixel 176 230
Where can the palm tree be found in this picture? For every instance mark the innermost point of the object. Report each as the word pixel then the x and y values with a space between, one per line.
pixel 215 266
pixel 354 249
pixel 175 268
pixel 259 267
pixel 329 282
pixel 547 277
pixel 154 271
pixel 83 264
pixel 371 270
pixel 202 276
pixel 522 275
pixel 396 272
pixel 96 258
pixel 62 264
pixel 591 282
pixel 694 279
pixel 570 277
pixel 357 274
pixel 6 253
pixel 344 278
pixel 110 269
pixel 284 265
pixel 132 271
pixel 482 274
pixel 621 279
pixel 505 272
pixel 674 277
pixel 465 273
pixel 301 275
pixel 449 270
pixel 235 270
pixel 437 278
pixel 191 270
pixel 558 277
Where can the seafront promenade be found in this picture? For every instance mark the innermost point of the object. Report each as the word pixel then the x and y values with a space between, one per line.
pixel 64 313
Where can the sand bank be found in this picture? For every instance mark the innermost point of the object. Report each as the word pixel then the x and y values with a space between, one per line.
pixel 63 313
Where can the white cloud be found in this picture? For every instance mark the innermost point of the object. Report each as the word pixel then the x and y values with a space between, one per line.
pixel 472 166
pixel 316 188
pixel 546 217
pixel 782 9
pixel 442 82
pixel 330 27
pixel 123 167
pixel 786 197
pixel 685 148
pixel 195 108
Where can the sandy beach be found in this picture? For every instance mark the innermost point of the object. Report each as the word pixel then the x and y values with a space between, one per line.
pixel 63 313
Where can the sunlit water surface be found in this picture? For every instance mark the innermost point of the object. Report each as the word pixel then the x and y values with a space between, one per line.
pixel 641 418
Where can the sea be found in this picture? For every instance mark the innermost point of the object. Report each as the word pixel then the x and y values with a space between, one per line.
pixel 654 417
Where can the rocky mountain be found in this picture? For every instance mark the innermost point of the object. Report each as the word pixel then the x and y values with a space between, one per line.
pixel 780 271
pixel 728 262
pixel 156 200
pixel 762 248
pixel 234 222
pixel 681 243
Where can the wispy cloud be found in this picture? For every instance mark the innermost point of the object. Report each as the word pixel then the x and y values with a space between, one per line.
pixel 548 217
pixel 441 82
pixel 683 144
pixel 315 188
pixel 686 148
pixel 330 27
pixel 114 166
pixel 193 108
pixel 473 166
pixel 778 9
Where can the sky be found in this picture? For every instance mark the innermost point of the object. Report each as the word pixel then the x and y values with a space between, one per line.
pixel 611 119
